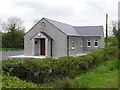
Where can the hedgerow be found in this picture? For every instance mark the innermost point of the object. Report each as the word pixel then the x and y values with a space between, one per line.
pixel 46 70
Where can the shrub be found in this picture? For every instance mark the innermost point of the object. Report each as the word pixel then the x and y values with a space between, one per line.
pixel 14 82
pixel 98 56
pixel 85 62
pixel 12 66
pixel 111 52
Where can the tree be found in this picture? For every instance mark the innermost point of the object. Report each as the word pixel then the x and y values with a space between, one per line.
pixel 115 28
pixel 15 33
pixel 116 31
pixel 0 39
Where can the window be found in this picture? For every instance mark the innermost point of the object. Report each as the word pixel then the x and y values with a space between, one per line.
pixel 35 42
pixel 88 43
pixel 73 47
pixel 96 43
pixel 81 44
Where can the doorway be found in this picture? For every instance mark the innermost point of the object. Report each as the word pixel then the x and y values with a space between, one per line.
pixel 42 46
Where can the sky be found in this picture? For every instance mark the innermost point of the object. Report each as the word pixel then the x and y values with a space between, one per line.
pixel 73 12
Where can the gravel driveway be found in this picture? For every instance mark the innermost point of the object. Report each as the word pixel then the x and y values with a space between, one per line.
pixel 5 55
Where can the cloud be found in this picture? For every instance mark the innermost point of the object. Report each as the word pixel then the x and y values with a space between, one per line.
pixel 46 9
pixel 74 12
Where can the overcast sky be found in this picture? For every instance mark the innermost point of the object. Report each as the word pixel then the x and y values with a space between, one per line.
pixel 74 12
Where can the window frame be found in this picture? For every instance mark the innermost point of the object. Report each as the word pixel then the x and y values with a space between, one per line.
pixel 81 42
pixel 95 41
pixel 73 45
pixel 88 41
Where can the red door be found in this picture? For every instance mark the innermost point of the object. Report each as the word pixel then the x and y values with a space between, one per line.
pixel 42 46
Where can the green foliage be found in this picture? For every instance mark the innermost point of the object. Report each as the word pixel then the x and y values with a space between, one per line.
pixel 112 41
pixel 14 82
pixel 64 83
pixel 48 69
pixel 14 35
pixel 99 77
pixel 0 39
pixel 45 70
pixel 10 40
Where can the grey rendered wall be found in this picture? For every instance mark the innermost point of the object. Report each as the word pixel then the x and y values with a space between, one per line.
pixel 36 47
pixel 77 45
pixel 92 47
pixel 59 43
pixel 59 39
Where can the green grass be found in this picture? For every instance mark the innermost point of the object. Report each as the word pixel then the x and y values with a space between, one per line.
pixel 103 76
pixel 10 49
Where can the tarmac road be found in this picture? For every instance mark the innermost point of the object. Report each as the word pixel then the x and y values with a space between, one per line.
pixel 5 55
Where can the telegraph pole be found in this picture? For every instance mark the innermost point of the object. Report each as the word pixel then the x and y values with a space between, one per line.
pixel 106 39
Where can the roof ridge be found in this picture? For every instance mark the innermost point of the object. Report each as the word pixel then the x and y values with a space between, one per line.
pixel 88 26
pixel 58 21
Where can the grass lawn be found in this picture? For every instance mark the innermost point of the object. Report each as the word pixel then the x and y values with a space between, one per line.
pixel 10 49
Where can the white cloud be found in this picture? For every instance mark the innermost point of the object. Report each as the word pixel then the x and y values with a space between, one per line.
pixel 74 12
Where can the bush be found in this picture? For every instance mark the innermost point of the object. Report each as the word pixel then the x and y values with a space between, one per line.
pixel 13 67
pixel 111 52
pixel 14 82
pixel 98 56
pixel 112 41
pixel 85 62
pixel 47 69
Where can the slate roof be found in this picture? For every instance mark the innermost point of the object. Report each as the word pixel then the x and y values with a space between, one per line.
pixel 65 28
pixel 46 35
pixel 90 30
pixel 77 31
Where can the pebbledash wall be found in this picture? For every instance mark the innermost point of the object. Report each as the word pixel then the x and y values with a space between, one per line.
pixel 59 44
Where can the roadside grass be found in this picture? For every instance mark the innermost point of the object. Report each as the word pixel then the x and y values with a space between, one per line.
pixel 10 49
pixel 104 76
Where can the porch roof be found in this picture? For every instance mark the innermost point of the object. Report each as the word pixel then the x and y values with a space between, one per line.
pixel 45 34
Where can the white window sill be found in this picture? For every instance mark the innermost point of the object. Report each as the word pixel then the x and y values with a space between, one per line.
pixel 95 46
pixel 88 46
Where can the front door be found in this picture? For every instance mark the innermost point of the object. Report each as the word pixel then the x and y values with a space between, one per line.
pixel 42 46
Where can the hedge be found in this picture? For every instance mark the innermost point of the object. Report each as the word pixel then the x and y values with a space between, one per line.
pixel 14 82
pixel 46 70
